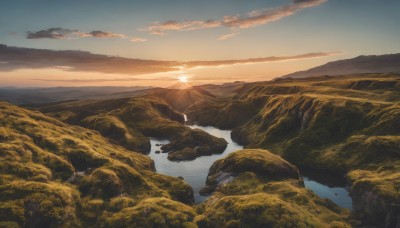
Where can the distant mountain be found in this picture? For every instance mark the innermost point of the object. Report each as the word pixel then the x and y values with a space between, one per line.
pixel 32 96
pixel 361 64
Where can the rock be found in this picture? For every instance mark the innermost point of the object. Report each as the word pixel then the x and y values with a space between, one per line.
pixel 254 188
pixel 200 141
pixel 261 162
pixel 207 190
pixel 157 152
pixel 154 212
pixel 375 197
pixel 186 154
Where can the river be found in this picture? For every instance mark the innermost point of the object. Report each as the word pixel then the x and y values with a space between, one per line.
pixel 195 172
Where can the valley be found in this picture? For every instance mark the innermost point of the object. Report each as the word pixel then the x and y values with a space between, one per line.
pixel 243 146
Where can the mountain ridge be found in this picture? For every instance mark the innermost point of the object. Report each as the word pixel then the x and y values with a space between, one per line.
pixel 389 63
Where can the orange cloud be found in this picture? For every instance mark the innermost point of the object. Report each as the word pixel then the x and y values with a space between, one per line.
pixel 258 60
pixel 254 18
pixel 160 28
pixel 14 58
pixel 137 39
pixel 228 36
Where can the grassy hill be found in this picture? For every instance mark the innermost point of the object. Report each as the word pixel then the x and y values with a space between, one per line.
pixel 131 121
pixel 345 124
pixel 254 188
pixel 56 175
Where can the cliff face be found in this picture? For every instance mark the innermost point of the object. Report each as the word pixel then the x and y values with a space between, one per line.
pixel 375 195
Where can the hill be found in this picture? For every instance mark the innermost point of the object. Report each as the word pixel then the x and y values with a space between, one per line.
pixel 181 99
pixel 56 175
pixel 345 124
pixel 37 96
pixel 358 65
pixel 131 122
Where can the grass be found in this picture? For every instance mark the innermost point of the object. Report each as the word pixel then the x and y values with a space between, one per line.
pixel 130 122
pixel 257 198
pixel 53 174
pixel 339 124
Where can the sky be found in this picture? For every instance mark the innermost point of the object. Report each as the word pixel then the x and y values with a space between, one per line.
pixel 208 41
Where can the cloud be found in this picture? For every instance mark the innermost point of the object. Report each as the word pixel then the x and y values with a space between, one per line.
pixel 129 79
pixel 228 36
pixel 160 28
pixel 25 58
pixel 138 39
pixel 252 19
pixel 61 33
pixel 51 33
pixel 101 34
pixel 259 60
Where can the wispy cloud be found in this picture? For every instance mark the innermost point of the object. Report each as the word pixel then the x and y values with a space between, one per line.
pixel 160 28
pixel 252 19
pixel 128 79
pixel 61 33
pixel 137 39
pixel 51 33
pixel 26 58
pixel 101 34
pixel 259 60
pixel 228 36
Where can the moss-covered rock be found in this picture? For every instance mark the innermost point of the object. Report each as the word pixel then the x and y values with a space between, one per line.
pixel 186 154
pixel 36 204
pixel 194 143
pixel 260 162
pixel 254 188
pixel 154 212
pixel 376 196
pixel 266 210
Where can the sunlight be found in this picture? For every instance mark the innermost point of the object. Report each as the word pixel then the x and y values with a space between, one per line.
pixel 183 79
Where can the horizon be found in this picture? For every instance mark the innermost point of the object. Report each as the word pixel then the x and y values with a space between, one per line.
pixel 206 42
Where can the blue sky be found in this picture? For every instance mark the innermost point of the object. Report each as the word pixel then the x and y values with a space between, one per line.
pixel 352 27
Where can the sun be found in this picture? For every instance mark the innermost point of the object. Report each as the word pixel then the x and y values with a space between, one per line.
pixel 183 79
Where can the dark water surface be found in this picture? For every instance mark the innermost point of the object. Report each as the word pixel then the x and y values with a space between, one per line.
pixel 195 172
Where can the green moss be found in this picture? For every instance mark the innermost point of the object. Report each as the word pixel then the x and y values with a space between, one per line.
pixel 254 188
pixel 186 154
pixel 39 204
pixel 119 203
pixel 178 189
pixel 5 224
pixel 263 210
pixel 376 194
pixel 153 212
pixel 129 123
pixel 102 183
pixel 53 174
pixel 260 162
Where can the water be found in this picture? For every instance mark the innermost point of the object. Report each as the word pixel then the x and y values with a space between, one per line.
pixel 329 186
pixel 195 172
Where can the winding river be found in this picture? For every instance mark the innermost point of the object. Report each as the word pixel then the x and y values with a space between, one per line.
pixel 195 172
